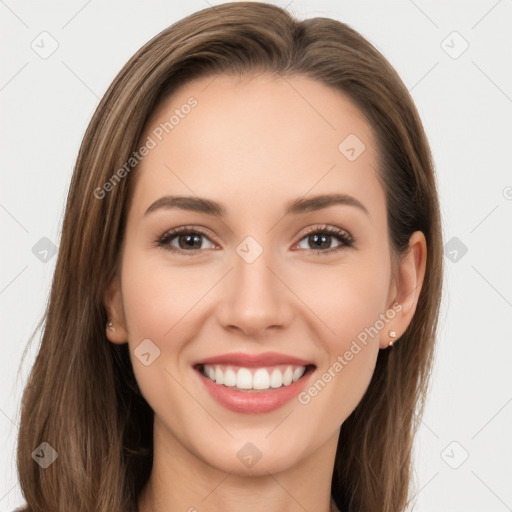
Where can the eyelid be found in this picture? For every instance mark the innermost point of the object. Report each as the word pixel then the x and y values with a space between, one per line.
pixel 164 240
pixel 345 238
pixel 332 230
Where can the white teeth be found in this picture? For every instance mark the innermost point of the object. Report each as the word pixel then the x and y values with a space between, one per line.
pixel 287 376
pixel 261 379
pixel 229 377
pixel 243 379
pixel 257 378
pixel 276 379
pixel 298 373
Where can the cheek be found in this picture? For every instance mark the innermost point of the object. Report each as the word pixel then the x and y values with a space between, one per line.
pixel 349 301
pixel 157 297
pixel 346 298
pixel 158 302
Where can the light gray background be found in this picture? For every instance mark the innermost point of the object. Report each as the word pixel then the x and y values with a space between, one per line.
pixel 466 106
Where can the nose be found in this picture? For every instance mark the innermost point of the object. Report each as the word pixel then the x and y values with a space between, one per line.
pixel 255 298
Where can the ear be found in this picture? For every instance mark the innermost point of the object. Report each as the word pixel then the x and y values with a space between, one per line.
pixel 112 300
pixel 406 286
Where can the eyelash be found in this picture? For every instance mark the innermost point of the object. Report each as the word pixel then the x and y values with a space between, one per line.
pixel 341 235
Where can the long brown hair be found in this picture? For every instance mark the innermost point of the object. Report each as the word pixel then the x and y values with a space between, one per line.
pixel 82 397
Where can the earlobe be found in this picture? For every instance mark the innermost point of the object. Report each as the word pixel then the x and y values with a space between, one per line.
pixel 115 328
pixel 409 282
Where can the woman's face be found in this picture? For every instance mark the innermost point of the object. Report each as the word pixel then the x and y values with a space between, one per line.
pixel 253 275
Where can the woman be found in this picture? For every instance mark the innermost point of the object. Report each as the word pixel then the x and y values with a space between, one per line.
pixel 245 301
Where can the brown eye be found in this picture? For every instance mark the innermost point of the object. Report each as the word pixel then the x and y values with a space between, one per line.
pixel 184 241
pixel 321 240
pixel 189 241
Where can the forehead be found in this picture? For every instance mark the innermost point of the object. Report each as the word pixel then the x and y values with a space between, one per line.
pixel 241 139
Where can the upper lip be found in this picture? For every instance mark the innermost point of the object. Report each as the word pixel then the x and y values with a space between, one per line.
pixel 253 360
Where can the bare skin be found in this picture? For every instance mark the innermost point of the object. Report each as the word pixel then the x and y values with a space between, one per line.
pixel 253 144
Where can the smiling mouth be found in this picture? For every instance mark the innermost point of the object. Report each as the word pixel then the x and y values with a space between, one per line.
pixel 254 380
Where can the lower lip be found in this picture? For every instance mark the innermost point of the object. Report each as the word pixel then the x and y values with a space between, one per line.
pixel 254 402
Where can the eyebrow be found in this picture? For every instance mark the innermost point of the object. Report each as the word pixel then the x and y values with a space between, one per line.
pixel 293 207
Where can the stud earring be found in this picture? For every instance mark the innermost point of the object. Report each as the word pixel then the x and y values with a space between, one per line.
pixel 391 334
pixel 110 326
